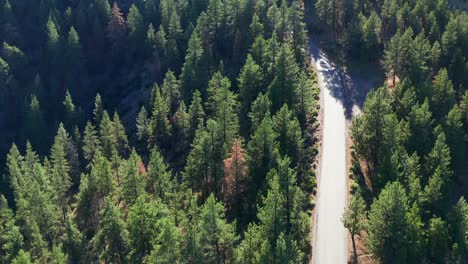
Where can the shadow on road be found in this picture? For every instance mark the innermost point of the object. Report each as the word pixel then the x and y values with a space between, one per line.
pixel 349 87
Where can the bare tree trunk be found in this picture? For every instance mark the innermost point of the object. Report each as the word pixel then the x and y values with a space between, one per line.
pixel 355 261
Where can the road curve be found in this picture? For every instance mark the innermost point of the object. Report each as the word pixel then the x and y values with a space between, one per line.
pixel 330 235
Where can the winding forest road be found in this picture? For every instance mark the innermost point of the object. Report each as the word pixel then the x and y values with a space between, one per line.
pixel 329 245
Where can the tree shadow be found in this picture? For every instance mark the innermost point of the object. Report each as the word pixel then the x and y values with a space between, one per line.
pixel 349 87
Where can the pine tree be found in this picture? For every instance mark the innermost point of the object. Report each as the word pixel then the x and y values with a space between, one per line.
pixel 393 55
pixel 418 60
pixel 354 218
pixel 435 192
pixel 17 60
pixel 388 213
pixel 182 128
pixel 439 157
pixel 102 178
pixel 11 239
pixel 404 99
pixel 160 126
pixel 174 35
pixel 170 92
pixel 30 230
pixel 6 84
pixel 31 160
pixel 250 85
pixel 271 56
pixel 247 250
pixel 159 179
pixel 282 88
pixel 57 256
pixel 133 182
pixel 151 47
pixel 83 204
pixel 91 143
pixel 143 227
pixel 272 215
pixel 120 136
pixel 435 56
pixel 289 189
pixel 305 98
pixel 262 152
pixel 420 124
pixel 191 250
pixel 111 241
pixel 223 106
pixel 77 139
pixel 255 28
pixel 260 110
pixel 60 178
pixel 160 45
pixel 455 135
pixel 332 14
pixel 374 135
pixel 438 240
pixel 434 31
pixel 235 177
pixel 107 136
pixel 217 236
pixel 92 191
pixel 216 23
pixel 9 23
pixel 459 223
pixel 22 258
pixel 282 26
pixel 234 13
pixel 167 243
pixel 196 113
pixel 40 217
pixel 299 32
pixel 136 30
pixel 238 50
pixel 53 48
pixel 464 109
pixel 218 150
pixel 143 127
pixel 272 21
pixel 73 240
pixel 205 160
pixel 289 134
pixel 197 171
pixel 116 29
pixel 74 61
pixel 15 175
pixel 70 113
pixel 443 98
pixel 192 76
pixel 73 48
pixel 370 28
pixel 166 12
pixel 296 222
pixel 415 234
pixel 35 125
pixel 98 110
pixel 260 53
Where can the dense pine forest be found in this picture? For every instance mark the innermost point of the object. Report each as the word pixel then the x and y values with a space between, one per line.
pixel 186 131
pixel 156 131
pixel 409 170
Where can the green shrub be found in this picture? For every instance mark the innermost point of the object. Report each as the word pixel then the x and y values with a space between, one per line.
pixel 312 204
pixel 311 181
pixel 354 186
